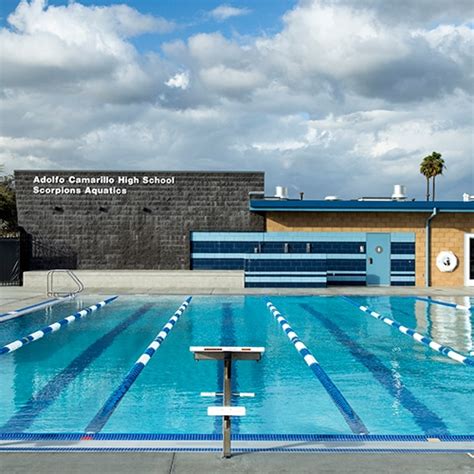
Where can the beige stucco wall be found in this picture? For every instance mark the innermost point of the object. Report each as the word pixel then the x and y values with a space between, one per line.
pixel 447 233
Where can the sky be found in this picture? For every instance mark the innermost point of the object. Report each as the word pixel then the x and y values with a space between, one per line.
pixel 328 97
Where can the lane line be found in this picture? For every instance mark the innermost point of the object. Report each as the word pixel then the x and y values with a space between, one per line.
pixel 444 303
pixel 352 418
pixel 427 420
pixel 103 415
pixel 27 414
pixel 416 336
pixel 40 333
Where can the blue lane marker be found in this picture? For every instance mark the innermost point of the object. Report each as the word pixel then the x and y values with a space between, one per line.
pixel 352 418
pixel 40 333
pixel 427 420
pixel 444 303
pixel 18 312
pixel 227 339
pixel 103 415
pixel 25 417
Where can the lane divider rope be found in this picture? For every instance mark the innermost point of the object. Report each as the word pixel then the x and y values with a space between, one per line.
pixel 35 336
pixel 103 415
pixel 32 308
pixel 436 346
pixel 444 303
pixel 352 419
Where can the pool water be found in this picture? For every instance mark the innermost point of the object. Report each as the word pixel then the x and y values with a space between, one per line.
pixel 395 385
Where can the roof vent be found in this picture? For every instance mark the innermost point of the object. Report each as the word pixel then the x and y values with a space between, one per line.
pixel 281 192
pixel 399 192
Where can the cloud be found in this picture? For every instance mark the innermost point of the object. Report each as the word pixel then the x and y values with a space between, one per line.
pixel 418 12
pixel 180 80
pixel 360 51
pixel 224 12
pixel 50 47
pixel 345 99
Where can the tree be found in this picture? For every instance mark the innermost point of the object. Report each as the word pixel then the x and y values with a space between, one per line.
pixel 426 169
pixel 431 166
pixel 438 167
pixel 8 216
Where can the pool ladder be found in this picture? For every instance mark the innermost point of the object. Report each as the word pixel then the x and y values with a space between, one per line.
pixel 50 284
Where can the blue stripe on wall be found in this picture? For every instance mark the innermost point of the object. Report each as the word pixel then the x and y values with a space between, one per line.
pixel 282 279
pixel 217 264
pixel 285 285
pixel 403 247
pixel 278 247
pixel 278 236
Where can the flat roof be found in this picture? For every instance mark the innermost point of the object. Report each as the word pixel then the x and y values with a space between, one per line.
pixel 297 205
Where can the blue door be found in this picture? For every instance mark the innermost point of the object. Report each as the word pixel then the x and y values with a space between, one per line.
pixel 378 259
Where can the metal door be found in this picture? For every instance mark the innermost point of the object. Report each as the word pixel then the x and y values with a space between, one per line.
pixel 378 259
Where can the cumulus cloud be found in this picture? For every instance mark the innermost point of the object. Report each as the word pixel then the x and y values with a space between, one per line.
pixel 57 46
pixel 345 99
pixel 224 12
pixel 180 80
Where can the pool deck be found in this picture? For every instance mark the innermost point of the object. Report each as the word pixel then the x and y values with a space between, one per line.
pixel 15 297
pixel 258 463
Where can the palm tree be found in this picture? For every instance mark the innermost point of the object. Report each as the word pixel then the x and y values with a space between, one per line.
pixel 426 169
pixel 438 167
pixel 431 166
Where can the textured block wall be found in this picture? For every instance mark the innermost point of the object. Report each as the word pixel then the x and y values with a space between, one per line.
pixel 146 228
pixel 447 233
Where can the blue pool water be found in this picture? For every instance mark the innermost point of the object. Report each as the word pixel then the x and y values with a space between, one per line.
pixel 395 385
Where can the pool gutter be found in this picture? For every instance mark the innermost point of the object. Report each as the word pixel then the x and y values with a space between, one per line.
pixel 242 443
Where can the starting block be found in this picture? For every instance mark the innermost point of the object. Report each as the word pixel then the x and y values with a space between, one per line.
pixel 227 354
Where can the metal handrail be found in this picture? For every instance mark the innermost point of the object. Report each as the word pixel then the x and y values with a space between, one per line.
pixel 50 284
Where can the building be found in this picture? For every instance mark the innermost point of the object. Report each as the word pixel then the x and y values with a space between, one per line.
pixel 222 221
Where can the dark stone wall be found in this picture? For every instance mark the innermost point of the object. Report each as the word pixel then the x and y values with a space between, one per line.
pixel 146 228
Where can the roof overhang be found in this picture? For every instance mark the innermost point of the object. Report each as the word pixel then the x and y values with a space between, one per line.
pixel 282 205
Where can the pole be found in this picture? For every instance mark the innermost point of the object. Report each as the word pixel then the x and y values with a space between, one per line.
pixel 226 425
pixel 428 247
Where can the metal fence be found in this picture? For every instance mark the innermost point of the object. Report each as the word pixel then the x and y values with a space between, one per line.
pixel 10 260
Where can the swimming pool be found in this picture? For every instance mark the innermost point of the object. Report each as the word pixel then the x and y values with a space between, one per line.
pixel 395 385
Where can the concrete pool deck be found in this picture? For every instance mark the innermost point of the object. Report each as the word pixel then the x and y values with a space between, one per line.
pixel 251 463
pixel 15 297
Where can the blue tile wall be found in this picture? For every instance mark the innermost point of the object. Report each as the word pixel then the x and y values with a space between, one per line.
pixel 334 259
pixel 277 247
pixel 223 247
pixel 402 261
pixel 403 247
pixel 217 264
pixel 299 265
pixel 284 285
pixel 346 264
pixel 402 265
